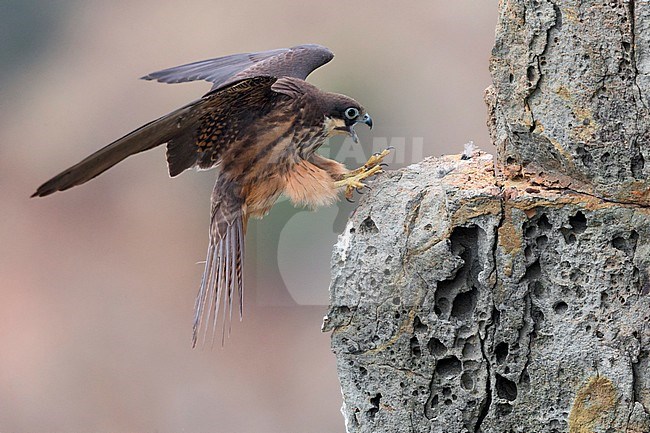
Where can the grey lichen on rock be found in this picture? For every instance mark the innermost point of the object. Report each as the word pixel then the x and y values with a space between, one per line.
pixel 572 95
pixel 463 304
pixel 514 295
pixel 409 354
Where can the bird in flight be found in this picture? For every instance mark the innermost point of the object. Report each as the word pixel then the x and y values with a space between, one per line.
pixel 260 126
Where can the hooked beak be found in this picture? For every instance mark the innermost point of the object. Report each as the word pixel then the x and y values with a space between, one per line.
pixel 365 119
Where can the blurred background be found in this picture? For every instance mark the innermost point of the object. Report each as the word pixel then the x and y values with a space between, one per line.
pixel 97 284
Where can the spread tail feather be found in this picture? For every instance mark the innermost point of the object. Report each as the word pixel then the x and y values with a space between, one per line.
pixel 223 275
pixel 222 281
pixel 144 138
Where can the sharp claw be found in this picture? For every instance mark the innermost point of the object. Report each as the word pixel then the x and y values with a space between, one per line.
pixel 353 181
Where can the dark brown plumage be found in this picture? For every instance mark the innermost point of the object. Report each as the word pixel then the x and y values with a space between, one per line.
pixel 260 124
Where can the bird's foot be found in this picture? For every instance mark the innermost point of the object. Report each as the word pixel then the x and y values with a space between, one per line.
pixel 374 161
pixel 354 179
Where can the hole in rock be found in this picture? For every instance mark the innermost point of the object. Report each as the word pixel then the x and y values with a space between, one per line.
pixel 448 367
pixel 436 348
pixel 464 304
pixel 374 401
pixel 560 307
pixel 501 352
pixel 506 388
pixel 415 346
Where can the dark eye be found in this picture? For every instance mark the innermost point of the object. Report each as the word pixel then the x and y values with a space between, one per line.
pixel 351 113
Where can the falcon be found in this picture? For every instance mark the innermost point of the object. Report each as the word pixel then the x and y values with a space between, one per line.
pixel 260 126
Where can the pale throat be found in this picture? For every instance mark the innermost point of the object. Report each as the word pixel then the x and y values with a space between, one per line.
pixel 334 126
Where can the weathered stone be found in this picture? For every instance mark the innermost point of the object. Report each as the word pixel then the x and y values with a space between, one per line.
pixel 464 301
pixel 463 304
pixel 571 95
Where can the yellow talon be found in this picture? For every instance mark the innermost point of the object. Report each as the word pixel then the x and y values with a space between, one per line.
pixel 354 179
pixel 373 161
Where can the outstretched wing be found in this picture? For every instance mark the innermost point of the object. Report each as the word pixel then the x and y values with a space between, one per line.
pixel 148 136
pixel 297 62
pixel 222 276
pixel 235 79
pixel 196 134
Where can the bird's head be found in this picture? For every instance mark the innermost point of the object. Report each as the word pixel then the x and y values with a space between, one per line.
pixel 342 115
